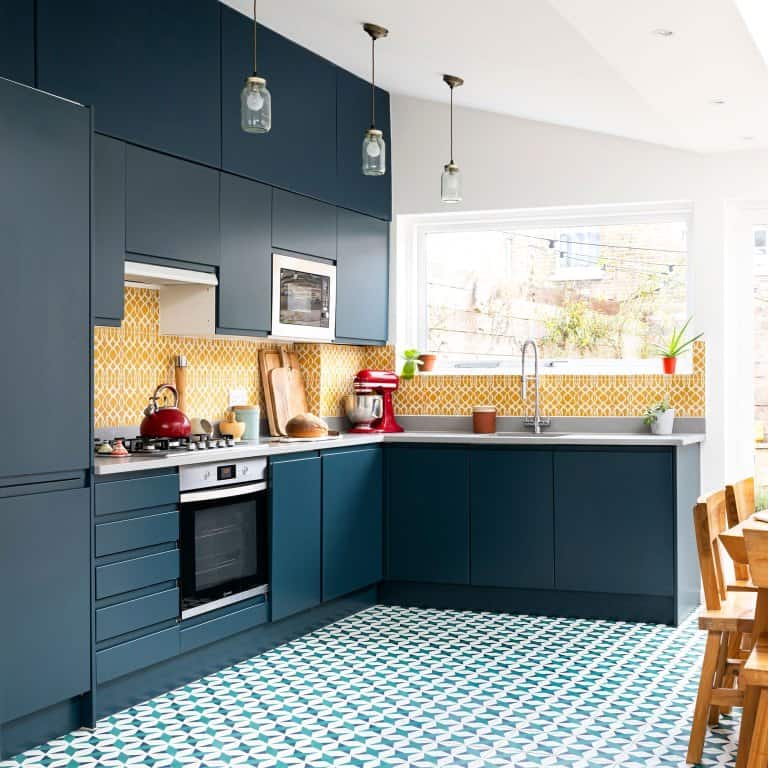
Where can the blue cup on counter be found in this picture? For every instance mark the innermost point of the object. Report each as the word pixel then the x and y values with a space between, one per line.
pixel 249 415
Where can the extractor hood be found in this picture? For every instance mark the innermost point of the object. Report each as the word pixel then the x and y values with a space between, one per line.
pixel 187 297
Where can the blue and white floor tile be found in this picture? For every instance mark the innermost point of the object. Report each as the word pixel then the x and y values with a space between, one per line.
pixel 412 687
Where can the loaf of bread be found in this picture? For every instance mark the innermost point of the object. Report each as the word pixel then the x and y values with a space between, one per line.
pixel 306 425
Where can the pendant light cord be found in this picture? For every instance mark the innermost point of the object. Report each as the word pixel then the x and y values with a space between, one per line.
pixel 451 125
pixel 373 82
pixel 255 68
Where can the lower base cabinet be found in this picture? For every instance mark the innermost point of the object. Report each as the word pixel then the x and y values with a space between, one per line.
pixel 353 522
pixel 45 642
pixel 428 517
pixel 615 521
pixel 295 513
pixel 512 536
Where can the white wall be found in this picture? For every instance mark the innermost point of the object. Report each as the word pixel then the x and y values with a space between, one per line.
pixel 509 163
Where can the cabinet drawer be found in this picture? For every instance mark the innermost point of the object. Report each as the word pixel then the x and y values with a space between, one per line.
pixel 139 493
pixel 145 611
pixel 136 654
pixel 223 626
pixel 139 572
pixel 136 533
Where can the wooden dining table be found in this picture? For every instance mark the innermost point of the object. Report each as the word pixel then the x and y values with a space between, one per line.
pixel 733 539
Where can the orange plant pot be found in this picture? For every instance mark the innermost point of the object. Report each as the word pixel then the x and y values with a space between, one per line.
pixel 669 364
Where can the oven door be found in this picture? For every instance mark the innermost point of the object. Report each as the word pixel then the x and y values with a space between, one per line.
pixel 303 298
pixel 223 547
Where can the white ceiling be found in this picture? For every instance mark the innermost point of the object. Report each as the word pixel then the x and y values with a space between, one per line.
pixel 592 64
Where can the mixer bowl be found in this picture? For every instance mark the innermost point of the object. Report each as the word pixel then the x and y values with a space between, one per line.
pixel 363 407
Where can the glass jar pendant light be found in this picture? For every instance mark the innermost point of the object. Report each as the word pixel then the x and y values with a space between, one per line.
pixel 450 182
pixel 255 99
pixel 374 146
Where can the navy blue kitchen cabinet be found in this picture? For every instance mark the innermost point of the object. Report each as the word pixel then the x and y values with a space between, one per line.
pixel 152 71
pixel 303 225
pixel 172 208
pixel 44 567
pixel 295 530
pixel 362 278
pixel 299 154
pixel 366 194
pixel 353 485
pixel 109 229
pixel 615 521
pixel 45 146
pixel 17 40
pixel 512 516
pixel 245 279
pixel 428 517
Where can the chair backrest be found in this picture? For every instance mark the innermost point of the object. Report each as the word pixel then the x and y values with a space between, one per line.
pixel 740 505
pixel 740 501
pixel 709 520
pixel 757 551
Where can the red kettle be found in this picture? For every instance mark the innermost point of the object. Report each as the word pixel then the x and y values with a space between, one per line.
pixel 165 421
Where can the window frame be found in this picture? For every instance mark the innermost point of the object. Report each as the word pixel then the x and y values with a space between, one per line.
pixel 410 297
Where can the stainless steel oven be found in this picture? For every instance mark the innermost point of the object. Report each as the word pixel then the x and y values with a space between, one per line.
pixel 303 298
pixel 223 534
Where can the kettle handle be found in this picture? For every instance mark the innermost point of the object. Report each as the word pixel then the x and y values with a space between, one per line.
pixel 170 388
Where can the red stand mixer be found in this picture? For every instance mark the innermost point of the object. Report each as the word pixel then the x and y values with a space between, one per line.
pixel 382 384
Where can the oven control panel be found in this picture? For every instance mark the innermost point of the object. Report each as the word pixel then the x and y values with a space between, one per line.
pixel 195 476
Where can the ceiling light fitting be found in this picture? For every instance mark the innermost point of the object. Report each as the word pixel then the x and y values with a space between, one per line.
pixel 255 99
pixel 374 146
pixel 450 181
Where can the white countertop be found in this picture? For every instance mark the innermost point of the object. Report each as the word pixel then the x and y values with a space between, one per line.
pixel 273 447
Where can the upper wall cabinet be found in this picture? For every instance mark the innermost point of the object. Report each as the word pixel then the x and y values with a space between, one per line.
pixel 299 153
pixel 109 229
pixel 303 225
pixel 245 278
pixel 362 278
pixel 17 40
pixel 172 208
pixel 367 194
pixel 151 69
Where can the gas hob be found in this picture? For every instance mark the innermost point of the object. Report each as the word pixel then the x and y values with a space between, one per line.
pixel 156 446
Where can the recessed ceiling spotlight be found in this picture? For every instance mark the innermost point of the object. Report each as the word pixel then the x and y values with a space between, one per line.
pixel 661 32
pixel 717 102
pixel 747 138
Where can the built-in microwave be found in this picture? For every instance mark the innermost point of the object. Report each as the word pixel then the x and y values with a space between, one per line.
pixel 303 298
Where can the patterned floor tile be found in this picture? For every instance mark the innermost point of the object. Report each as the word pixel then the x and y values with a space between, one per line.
pixel 392 687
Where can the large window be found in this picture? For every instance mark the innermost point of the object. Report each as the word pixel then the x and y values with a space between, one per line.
pixel 596 295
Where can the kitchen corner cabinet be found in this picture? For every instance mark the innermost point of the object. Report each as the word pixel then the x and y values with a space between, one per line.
pixel 299 154
pixel 352 520
pixel 512 521
pixel 45 151
pixel 17 40
pixel 367 194
pixel 362 294
pixel 45 655
pixel 428 517
pixel 303 225
pixel 245 278
pixel 109 229
pixel 172 208
pixel 614 521
pixel 295 523
pixel 152 71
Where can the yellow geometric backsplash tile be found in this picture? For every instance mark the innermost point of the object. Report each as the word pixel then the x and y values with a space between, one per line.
pixel 132 360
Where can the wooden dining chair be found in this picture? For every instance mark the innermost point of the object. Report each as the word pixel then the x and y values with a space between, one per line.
pixel 739 506
pixel 727 617
pixel 753 738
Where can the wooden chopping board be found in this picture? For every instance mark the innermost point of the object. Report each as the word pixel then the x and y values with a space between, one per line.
pixel 284 390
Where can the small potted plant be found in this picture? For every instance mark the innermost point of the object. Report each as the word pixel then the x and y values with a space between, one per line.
pixel 660 417
pixel 411 364
pixel 427 362
pixel 675 347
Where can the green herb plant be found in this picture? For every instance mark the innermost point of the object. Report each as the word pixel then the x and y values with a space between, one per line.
pixel 652 412
pixel 411 364
pixel 677 343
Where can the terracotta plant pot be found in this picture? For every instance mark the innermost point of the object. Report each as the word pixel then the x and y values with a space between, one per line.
pixel 428 362
pixel 669 364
